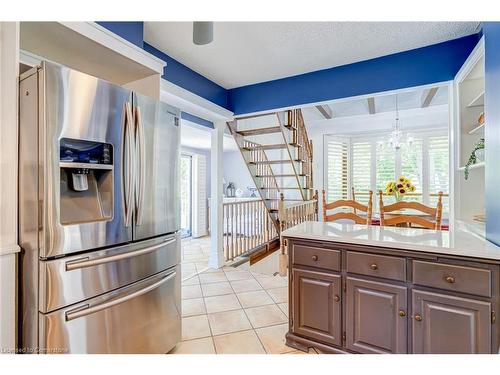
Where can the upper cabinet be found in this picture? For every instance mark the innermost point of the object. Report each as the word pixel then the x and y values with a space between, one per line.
pixel 92 49
pixel 470 123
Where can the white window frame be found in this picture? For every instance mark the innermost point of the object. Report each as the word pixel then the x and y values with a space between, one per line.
pixel 374 138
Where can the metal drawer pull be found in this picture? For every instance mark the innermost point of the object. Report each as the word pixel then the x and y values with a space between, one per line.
pixel 402 313
pixel 85 262
pixel 374 266
pixel 336 298
pixel 449 279
pixel 79 312
pixel 315 258
pixel 418 317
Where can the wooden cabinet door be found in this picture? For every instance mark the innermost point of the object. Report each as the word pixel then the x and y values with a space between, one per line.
pixel 316 306
pixel 445 324
pixel 376 317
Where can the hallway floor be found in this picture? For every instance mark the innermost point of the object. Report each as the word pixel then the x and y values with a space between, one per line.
pixel 194 255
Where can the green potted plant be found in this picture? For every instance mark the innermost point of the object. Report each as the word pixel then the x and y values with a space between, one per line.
pixel 473 158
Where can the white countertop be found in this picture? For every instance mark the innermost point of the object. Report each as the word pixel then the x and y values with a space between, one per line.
pixel 457 242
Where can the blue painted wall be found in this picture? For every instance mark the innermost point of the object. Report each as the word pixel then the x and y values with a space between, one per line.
pixel 435 63
pixel 188 79
pixel 174 72
pixel 491 31
pixel 131 31
pixel 197 120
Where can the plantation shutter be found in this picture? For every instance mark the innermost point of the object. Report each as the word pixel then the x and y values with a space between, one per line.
pixel 438 169
pixel 361 169
pixel 385 166
pixel 199 196
pixel 337 169
pixel 411 166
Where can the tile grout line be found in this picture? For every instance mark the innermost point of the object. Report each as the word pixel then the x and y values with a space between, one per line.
pixel 208 320
pixel 251 325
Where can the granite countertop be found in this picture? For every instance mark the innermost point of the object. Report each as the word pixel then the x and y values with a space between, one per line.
pixel 457 242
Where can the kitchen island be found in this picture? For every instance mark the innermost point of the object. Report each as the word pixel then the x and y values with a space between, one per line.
pixel 372 289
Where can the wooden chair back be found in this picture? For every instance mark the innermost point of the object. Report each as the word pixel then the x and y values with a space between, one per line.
pixel 348 215
pixel 435 212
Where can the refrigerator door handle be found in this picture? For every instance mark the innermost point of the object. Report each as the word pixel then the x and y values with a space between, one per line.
pixel 127 158
pixel 87 310
pixel 86 262
pixel 123 163
pixel 141 149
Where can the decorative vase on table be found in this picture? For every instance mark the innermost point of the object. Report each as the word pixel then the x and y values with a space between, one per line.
pixel 399 188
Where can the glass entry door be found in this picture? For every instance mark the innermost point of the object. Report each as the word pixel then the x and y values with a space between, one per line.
pixel 186 194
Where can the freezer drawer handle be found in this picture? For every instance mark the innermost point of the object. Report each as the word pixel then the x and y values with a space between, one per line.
pixel 79 312
pixel 85 262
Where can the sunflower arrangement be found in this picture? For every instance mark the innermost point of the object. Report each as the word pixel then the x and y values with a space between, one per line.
pixel 399 188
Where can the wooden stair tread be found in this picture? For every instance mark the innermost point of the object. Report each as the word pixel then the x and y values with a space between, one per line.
pixel 270 161
pixel 266 147
pixel 285 175
pixel 276 161
pixel 269 130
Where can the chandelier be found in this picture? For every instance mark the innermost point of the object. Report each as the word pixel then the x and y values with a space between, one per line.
pixel 397 137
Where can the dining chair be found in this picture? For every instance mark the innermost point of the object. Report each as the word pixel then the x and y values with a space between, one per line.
pixel 342 215
pixel 395 219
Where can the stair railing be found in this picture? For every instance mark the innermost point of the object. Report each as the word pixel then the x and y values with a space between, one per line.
pixel 247 226
pixel 306 151
pixel 291 215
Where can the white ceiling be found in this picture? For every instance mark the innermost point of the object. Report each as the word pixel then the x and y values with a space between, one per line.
pixel 352 115
pixel 408 99
pixel 243 53
pixel 195 136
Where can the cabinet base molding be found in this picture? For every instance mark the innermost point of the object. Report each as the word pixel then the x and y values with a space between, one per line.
pixel 303 344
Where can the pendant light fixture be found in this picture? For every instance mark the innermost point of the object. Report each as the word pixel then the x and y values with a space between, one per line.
pixel 203 33
pixel 397 138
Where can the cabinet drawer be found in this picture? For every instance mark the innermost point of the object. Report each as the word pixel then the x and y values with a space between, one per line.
pixel 316 257
pixel 451 277
pixel 376 265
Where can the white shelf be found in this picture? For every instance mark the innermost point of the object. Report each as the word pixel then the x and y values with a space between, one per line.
pixel 478 101
pixel 477 129
pixel 473 166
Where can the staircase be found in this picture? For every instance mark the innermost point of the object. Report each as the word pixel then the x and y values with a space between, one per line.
pixel 279 156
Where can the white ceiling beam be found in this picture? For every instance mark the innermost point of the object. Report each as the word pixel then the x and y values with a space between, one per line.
pixel 371 105
pixel 325 110
pixel 427 96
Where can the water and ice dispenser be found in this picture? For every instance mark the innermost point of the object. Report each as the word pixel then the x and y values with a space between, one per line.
pixel 86 175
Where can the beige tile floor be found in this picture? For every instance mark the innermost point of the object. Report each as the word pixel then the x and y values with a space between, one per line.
pixel 194 255
pixel 230 311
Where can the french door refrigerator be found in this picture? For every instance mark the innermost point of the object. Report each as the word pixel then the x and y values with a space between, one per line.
pixel 99 216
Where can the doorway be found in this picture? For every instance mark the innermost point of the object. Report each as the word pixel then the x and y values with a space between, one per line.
pixel 186 195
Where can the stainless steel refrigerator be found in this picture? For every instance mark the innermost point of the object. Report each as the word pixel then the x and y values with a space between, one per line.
pixel 99 216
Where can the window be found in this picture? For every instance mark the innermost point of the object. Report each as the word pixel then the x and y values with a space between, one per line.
pixel 368 163
pixel 411 166
pixel 361 169
pixel 438 169
pixel 336 181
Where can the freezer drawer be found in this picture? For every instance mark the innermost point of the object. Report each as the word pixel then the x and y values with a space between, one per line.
pixel 144 317
pixel 68 280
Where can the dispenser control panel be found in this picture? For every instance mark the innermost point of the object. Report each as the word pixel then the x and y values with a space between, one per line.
pixel 85 152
